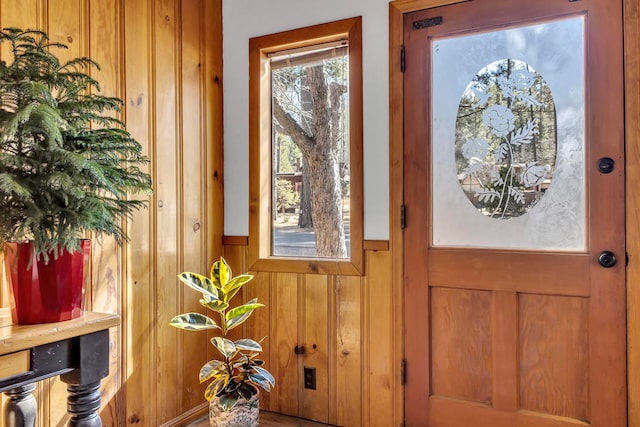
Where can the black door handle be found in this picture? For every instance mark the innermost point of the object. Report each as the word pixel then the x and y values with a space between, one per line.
pixel 607 259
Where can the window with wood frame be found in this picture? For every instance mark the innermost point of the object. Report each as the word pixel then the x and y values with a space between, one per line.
pixel 305 136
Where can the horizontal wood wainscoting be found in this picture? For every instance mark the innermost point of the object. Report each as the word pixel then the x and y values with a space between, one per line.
pixel 163 58
pixel 347 327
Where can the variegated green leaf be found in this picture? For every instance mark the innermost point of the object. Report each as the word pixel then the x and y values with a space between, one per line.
pixel 234 384
pixel 224 346
pixel 247 344
pixel 246 391
pixel 266 374
pixel 199 283
pixel 234 285
pixel 210 370
pixel 193 322
pixel 220 273
pixel 228 401
pixel 215 305
pixel 239 364
pixel 241 309
pixel 261 381
pixel 238 315
pixel 214 388
pixel 238 320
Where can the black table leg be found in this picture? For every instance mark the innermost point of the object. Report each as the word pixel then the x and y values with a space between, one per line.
pixel 91 359
pixel 83 403
pixel 21 408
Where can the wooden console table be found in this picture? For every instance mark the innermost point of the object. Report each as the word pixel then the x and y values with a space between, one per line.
pixel 77 350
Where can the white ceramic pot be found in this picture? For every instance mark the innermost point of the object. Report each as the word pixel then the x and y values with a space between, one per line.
pixel 244 414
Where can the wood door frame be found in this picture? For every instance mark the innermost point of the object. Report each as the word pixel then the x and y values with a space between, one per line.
pixel 631 13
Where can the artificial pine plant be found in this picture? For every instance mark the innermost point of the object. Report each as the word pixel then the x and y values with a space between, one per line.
pixel 66 163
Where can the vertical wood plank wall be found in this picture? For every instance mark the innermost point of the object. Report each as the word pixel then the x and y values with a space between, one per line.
pixel 163 58
pixel 347 326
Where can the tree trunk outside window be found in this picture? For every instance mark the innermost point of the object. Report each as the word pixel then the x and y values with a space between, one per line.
pixel 319 149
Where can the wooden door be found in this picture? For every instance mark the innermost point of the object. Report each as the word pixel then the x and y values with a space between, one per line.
pixel 514 238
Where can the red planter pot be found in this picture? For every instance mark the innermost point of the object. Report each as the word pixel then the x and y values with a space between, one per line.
pixel 44 293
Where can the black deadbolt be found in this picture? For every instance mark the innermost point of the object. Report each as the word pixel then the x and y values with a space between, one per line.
pixel 606 164
pixel 607 259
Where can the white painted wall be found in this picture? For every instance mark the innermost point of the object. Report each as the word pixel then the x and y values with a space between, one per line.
pixel 243 19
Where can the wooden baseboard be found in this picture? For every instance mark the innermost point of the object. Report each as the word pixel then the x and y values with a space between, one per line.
pixel 189 416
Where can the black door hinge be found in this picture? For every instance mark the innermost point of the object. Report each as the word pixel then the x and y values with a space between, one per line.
pixel 403 372
pixel 403 216
pixel 403 63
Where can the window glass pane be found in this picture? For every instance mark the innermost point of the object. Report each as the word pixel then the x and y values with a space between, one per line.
pixel 508 130
pixel 310 155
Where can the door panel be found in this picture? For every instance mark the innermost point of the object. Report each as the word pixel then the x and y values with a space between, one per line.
pixel 521 326
pixel 562 371
pixel 461 325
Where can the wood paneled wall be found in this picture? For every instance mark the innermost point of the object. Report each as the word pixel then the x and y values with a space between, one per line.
pixel 163 58
pixel 348 327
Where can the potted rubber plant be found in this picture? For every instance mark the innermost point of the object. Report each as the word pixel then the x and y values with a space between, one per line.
pixel 238 372
pixel 67 168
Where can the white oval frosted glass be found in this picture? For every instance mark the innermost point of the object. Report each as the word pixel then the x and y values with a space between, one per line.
pixel 506 139
pixel 554 218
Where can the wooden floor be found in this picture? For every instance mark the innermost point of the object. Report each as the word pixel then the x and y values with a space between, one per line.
pixel 269 419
